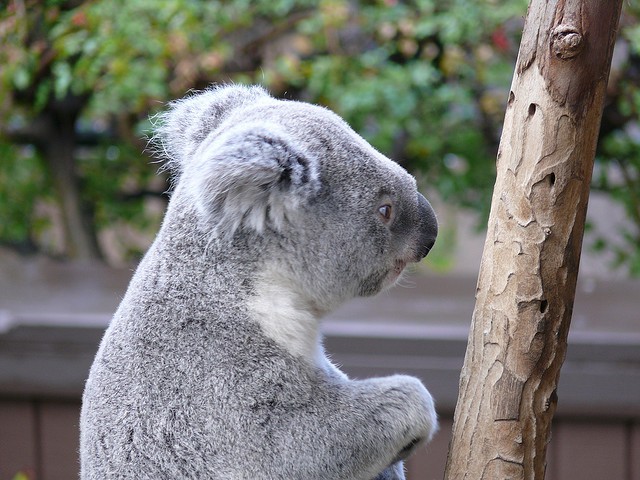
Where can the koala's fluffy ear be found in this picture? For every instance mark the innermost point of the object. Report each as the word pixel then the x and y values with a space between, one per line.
pixel 253 176
pixel 182 128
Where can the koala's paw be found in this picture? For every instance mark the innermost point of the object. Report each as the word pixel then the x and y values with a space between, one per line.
pixel 393 472
pixel 420 418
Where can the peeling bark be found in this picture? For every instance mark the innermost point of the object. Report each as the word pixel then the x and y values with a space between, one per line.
pixel 529 268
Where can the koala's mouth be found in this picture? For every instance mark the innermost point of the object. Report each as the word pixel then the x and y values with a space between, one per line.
pixel 399 266
pixel 396 272
pixel 384 279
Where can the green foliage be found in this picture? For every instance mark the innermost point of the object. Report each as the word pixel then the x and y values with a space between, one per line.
pixel 619 176
pixel 425 81
pixel 22 184
pixel 617 170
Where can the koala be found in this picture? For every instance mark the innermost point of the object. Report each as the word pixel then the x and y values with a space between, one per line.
pixel 213 365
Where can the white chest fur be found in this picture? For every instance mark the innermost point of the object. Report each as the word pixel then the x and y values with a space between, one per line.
pixel 288 319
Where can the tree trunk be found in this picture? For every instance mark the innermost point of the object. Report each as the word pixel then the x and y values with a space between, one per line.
pixel 529 267
pixel 59 145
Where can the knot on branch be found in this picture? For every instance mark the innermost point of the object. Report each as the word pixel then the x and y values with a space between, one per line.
pixel 566 41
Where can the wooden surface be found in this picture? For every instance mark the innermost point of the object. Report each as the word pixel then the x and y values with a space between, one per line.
pixel 39 438
pixel 18 439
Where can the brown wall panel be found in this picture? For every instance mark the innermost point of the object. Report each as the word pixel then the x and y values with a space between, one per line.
pixel 579 450
pixel 634 451
pixel 18 451
pixel 589 451
pixel 60 440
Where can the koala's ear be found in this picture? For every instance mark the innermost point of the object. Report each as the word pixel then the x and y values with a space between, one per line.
pixel 253 176
pixel 182 128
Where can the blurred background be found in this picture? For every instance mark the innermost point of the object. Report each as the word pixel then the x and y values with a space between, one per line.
pixel 425 81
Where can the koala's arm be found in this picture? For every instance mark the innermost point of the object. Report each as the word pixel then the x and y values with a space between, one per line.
pixel 388 400
pixel 362 430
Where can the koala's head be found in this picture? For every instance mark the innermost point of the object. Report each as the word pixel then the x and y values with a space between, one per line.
pixel 334 218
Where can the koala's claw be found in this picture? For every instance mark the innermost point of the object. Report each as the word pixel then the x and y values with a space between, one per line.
pixel 396 471
pixel 408 449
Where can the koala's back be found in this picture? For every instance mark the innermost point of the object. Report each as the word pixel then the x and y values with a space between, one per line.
pixel 179 364
pixel 185 409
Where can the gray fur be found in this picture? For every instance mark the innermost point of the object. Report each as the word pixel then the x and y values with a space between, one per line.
pixel 213 366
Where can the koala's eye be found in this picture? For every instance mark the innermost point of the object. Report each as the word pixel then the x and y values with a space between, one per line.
pixel 385 212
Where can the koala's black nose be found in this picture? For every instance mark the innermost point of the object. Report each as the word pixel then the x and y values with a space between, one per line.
pixel 428 227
